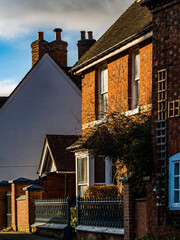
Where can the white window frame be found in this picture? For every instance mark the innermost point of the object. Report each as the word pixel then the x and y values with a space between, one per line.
pixel 91 169
pixel 135 80
pixel 101 113
pixel 108 172
pixel 83 155
pixel 172 160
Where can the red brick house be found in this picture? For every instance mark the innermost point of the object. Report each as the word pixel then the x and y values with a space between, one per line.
pixel 116 77
pixel 57 165
pixel 133 68
pixel 163 215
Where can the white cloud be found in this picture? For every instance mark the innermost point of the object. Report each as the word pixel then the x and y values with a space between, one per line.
pixel 21 16
pixel 7 86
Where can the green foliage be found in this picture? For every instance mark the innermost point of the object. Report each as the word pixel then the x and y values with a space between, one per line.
pixel 128 140
pixel 147 237
pixel 150 237
pixel 102 191
pixel 73 215
pixel 9 229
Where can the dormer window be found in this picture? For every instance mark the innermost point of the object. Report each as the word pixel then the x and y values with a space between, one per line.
pixel 135 78
pixel 103 92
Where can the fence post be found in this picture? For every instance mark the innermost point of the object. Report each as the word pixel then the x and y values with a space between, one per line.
pixel 128 211
pixel 78 206
pixel 67 230
pixel 68 210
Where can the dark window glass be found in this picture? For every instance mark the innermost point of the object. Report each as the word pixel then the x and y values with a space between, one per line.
pixel 99 170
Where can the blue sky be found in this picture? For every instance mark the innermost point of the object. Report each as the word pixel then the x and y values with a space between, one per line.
pixel 20 20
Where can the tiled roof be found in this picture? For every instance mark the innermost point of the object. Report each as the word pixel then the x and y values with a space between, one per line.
pixel 131 23
pixel 75 78
pixel 91 139
pixel 82 141
pixel 3 100
pixel 64 160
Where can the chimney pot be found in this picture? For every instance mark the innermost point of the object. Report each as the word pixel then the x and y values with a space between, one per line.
pixel 90 35
pixel 40 36
pixel 83 37
pixel 57 33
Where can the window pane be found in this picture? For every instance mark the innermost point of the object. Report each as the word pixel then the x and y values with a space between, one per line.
pixel 99 170
pixel 136 65
pixel 104 81
pixel 136 93
pixel 82 170
pixel 176 183
pixel 104 98
pixel 176 169
pixel 176 196
pixel 81 190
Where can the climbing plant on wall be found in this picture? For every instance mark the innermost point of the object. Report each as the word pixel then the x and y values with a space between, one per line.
pixel 127 141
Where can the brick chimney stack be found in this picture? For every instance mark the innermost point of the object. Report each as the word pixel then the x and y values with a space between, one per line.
pixel 57 49
pixel 84 44
pixel 90 35
pixel 57 33
pixel 40 36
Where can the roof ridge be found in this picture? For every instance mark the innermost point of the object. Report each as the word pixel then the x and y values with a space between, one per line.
pixel 132 21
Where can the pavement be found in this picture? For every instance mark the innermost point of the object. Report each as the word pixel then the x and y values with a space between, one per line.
pixel 23 236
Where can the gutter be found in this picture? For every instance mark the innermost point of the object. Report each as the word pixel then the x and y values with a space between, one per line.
pixel 119 47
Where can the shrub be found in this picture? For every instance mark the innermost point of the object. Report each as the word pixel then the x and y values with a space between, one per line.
pixel 73 215
pixel 102 191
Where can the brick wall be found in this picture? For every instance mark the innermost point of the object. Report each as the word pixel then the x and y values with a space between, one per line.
pixel 119 83
pixel 22 215
pixel 89 96
pixel 32 196
pixel 140 218
pixel 166 33
pixel 26 210
pixel 17 191
pixel 129 216
pixel 55 186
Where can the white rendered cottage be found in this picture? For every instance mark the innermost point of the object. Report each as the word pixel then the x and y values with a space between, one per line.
pixel 47 101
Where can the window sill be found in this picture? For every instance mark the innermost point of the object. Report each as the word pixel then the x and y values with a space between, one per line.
pixel 175 207
pixel 99 184
pixel 100 121
pixel 132 112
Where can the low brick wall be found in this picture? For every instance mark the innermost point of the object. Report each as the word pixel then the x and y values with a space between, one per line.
pixel 85 235
pixel 22 216
pixel 51 232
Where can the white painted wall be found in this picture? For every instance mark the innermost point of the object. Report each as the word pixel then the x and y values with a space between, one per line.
pixel 46 102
